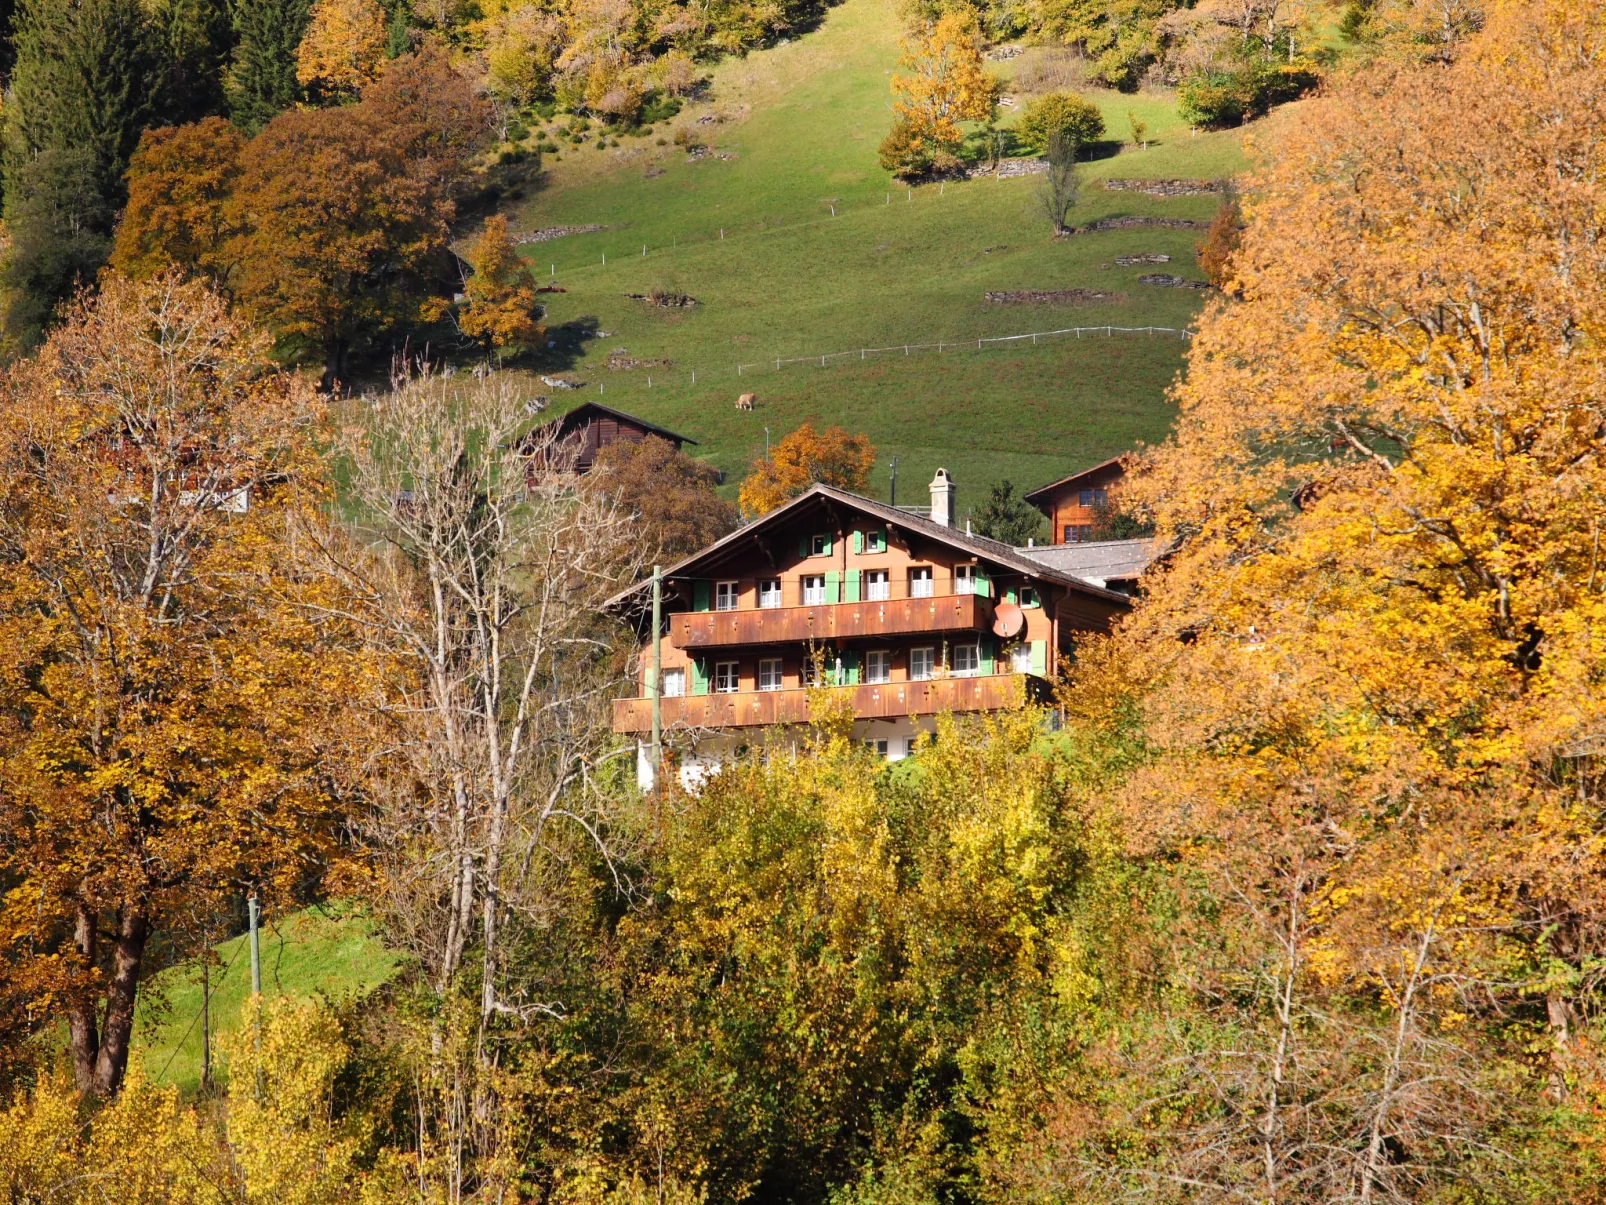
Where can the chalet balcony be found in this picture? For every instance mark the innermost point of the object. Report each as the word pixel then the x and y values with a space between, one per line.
pixel 832 621
pixel 879 701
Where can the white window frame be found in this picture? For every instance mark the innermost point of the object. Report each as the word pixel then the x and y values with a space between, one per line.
pixel 727 595
pixel 813 589
pixel 769 593
pixel 769 674
pixel 878 666
pixel 967 660
pixel 926 654
pixel 820 544
pixel 1020 658
pixel 964 579
pixel 877 585
pixel 921 583
pixel 880 746
pixel 674 684
pixel 727 677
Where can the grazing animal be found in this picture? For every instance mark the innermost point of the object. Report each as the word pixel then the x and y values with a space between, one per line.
pixel 745 402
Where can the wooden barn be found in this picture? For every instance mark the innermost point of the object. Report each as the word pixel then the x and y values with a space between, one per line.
pixel 596 426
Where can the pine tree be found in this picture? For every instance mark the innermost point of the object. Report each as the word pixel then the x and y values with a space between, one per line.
pixel 85 85
pixel 196 37
pixel 262 82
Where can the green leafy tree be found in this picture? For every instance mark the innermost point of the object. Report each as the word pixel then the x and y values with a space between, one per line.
pixel 1065 114
pixel 1007 517
pixel 85 84
pixel 262 80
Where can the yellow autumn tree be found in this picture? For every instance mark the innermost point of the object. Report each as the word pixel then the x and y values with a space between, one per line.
pixel 342 51
pixel 945 85
pixel 1372 669
pixel 803 458
pixel 500 312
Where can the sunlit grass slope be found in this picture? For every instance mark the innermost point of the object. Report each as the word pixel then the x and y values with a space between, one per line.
pixel 329 952
pixel 790 278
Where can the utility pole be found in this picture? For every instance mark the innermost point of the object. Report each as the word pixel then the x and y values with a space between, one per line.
pixel 655 676
pixel 253 912
pixel 894 481
pixel 766 443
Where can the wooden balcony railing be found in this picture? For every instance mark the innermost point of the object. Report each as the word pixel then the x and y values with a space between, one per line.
pixel 886 700
pixel 831 621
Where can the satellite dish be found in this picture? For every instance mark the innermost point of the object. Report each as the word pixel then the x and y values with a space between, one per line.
pixel 1007 620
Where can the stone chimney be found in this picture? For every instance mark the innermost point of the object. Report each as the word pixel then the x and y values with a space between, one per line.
pixel 942 498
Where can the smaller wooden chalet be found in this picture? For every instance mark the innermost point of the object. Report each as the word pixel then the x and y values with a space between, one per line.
pixel 909 615
pixel 596 426
pixel 1072 503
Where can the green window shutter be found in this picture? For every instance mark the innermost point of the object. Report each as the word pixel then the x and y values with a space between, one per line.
pixel 858 541
pixel 699 676
pixel 829 544
pixel 1040 658
pixel 850 585
pixel 1029 597
pixel 1009 594
pixel 850 668
pixel 984 647
pixel 981 584
pixel 699 592
pixel 833 587
pixel 802 545
pixel 881 539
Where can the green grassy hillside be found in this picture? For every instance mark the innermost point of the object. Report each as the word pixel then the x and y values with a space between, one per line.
pixel 329 952
pixel 793 134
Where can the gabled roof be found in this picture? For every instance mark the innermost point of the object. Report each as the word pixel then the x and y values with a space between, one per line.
pixel 1098 560
pixel 587 409
pixel 1064 481
pixel 993 550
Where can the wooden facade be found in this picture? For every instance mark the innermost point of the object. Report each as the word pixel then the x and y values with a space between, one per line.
pixel 595 426
pixel 902 615
pixel 1073 503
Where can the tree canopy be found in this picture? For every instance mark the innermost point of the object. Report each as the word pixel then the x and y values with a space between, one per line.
pixel 803 458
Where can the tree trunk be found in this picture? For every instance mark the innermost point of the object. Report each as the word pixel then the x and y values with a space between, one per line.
pixel 112 1061
pixel 81 1027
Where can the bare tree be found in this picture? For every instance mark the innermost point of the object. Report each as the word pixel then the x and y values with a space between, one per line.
pixel 476 568
pixel 1059 188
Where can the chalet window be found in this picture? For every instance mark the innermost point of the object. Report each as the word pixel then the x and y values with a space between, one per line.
pixel 725 678
pixel 814 590
pixel 769 674
pixel 1028 596
pixel 810 676
pixel 674 683
pixel 876 586
pixel 769 593
pixel 878 666
pixel 725 596
pixel 922 663
pixel 820 545
pixel 1094 497
pixel 877 746
pixel 967 659
pixel 1020 658
pixel 1078 534
pixel 964 579
pixel 920 583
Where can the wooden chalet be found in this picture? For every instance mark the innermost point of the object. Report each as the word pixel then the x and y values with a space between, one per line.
pixel 1073 503
pixel 907 615
pixel 595 426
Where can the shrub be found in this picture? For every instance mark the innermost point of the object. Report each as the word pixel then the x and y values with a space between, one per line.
pixel 1219 98
pixel 904 152
pixel 1061 113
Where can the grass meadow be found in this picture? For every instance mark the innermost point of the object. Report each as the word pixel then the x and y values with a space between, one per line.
pixel 795 243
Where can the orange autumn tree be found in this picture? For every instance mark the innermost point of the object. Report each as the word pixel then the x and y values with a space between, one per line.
pixel 807 457
pixel 500 312
pixel 178 183
pixel 1372 672
pixel 160 685
pixel 946 84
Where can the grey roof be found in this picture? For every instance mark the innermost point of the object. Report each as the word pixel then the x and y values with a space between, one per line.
pixel 1097 561
pixel 1020 560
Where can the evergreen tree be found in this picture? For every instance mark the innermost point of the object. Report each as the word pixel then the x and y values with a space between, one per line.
pixel 262 82
pixel 1008 517
pixel 84 86
pixel 196 38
